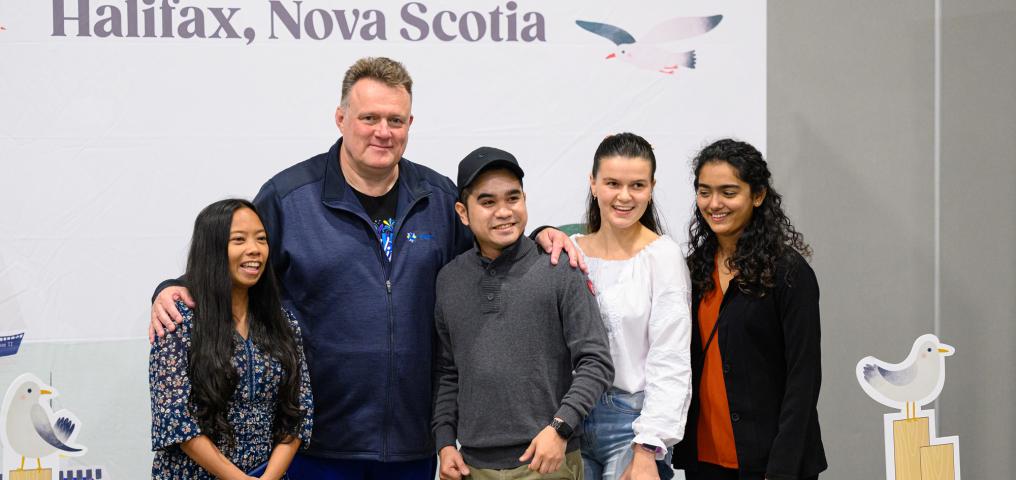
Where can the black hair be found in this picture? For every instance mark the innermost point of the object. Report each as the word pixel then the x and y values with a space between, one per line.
pixel 212 375
pixel 626 145
pixel 768 237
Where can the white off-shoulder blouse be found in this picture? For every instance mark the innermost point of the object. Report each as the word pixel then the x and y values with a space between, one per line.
pixel 645 305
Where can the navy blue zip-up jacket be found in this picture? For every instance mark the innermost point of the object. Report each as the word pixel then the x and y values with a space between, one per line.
pixel 367 322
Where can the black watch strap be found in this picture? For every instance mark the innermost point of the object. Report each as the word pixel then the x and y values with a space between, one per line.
pixel 562 428
pixel 650 448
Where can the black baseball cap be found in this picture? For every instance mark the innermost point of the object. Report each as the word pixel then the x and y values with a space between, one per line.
pixel 484 158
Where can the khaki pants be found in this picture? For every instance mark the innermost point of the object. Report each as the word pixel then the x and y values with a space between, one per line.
pixel 571 469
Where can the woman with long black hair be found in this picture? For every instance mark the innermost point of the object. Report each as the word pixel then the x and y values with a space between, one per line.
pixel 755 336
pixel 230 389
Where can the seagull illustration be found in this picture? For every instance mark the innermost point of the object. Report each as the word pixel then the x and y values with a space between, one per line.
pixel 647 52
pixel 907 385
pixel 31 429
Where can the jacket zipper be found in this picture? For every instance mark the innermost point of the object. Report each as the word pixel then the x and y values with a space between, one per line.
pixel 386 272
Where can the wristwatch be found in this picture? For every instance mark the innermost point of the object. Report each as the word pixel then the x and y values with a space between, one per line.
pixel 650 448
pixel 562 428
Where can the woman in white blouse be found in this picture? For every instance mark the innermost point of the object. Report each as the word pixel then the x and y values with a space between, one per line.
pixel 642 286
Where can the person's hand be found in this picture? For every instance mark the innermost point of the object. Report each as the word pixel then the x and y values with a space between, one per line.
pixel 165 316
pixel 453 467
pixel 553 241
pixel 642 466
pixel 546 451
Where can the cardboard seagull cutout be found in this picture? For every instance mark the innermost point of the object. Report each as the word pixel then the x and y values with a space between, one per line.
pixel 912 449
pixel 910 384
pixel 31 429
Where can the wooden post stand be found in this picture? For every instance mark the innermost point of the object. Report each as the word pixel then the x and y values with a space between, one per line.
pixel 937 462
pixel 908 437
pixel 31 474
pixel 915 457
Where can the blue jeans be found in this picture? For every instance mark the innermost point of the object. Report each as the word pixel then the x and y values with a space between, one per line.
pixel 313 468
pixel 607 436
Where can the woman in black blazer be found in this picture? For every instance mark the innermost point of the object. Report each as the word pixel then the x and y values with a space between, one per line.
pixel 756 361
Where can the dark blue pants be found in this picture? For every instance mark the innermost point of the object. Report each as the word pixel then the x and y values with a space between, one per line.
pixel 312 468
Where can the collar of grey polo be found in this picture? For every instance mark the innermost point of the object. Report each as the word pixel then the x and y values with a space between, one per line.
pixel 509 253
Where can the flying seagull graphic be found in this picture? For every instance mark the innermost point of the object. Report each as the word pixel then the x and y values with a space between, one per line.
pixel 648 52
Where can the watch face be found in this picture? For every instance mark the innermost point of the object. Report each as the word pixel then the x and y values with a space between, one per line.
pixel 562 428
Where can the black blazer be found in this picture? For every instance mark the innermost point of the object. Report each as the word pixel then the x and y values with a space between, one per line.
pixel 772 370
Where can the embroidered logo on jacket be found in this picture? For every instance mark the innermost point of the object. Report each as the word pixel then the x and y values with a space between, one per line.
pixel 412 237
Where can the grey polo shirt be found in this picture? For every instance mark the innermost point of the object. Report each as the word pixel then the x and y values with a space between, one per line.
pixel 521 342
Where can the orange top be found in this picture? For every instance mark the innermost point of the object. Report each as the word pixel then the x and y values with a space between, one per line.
pixel 715 432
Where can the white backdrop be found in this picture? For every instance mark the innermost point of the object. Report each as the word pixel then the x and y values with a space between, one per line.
pixel 110 145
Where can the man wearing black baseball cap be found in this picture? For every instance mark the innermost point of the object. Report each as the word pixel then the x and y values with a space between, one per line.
pixel 485 158
pixel 342 226
pixel 522 353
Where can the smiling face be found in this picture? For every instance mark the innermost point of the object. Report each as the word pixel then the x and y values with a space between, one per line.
pixel 623 188
pixel 724 200
pixel 248 249
pixel 495 211
pixel 374 121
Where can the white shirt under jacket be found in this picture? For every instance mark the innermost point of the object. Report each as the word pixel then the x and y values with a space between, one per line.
pixel 645 305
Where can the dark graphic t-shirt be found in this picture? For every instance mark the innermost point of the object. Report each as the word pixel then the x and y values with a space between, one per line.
pixel 381 211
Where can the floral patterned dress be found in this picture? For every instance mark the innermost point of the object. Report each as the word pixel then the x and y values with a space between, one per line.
pixel 251 410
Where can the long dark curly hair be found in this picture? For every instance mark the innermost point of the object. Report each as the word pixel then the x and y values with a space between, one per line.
pixel 626 145
pixel 768 237
pixel 212 375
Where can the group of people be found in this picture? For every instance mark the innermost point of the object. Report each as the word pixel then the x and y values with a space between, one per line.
pixel 367 318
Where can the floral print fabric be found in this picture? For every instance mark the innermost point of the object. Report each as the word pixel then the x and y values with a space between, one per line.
pixel 251 410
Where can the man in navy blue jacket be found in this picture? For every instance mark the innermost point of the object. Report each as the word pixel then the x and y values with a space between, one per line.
pixel 357 236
